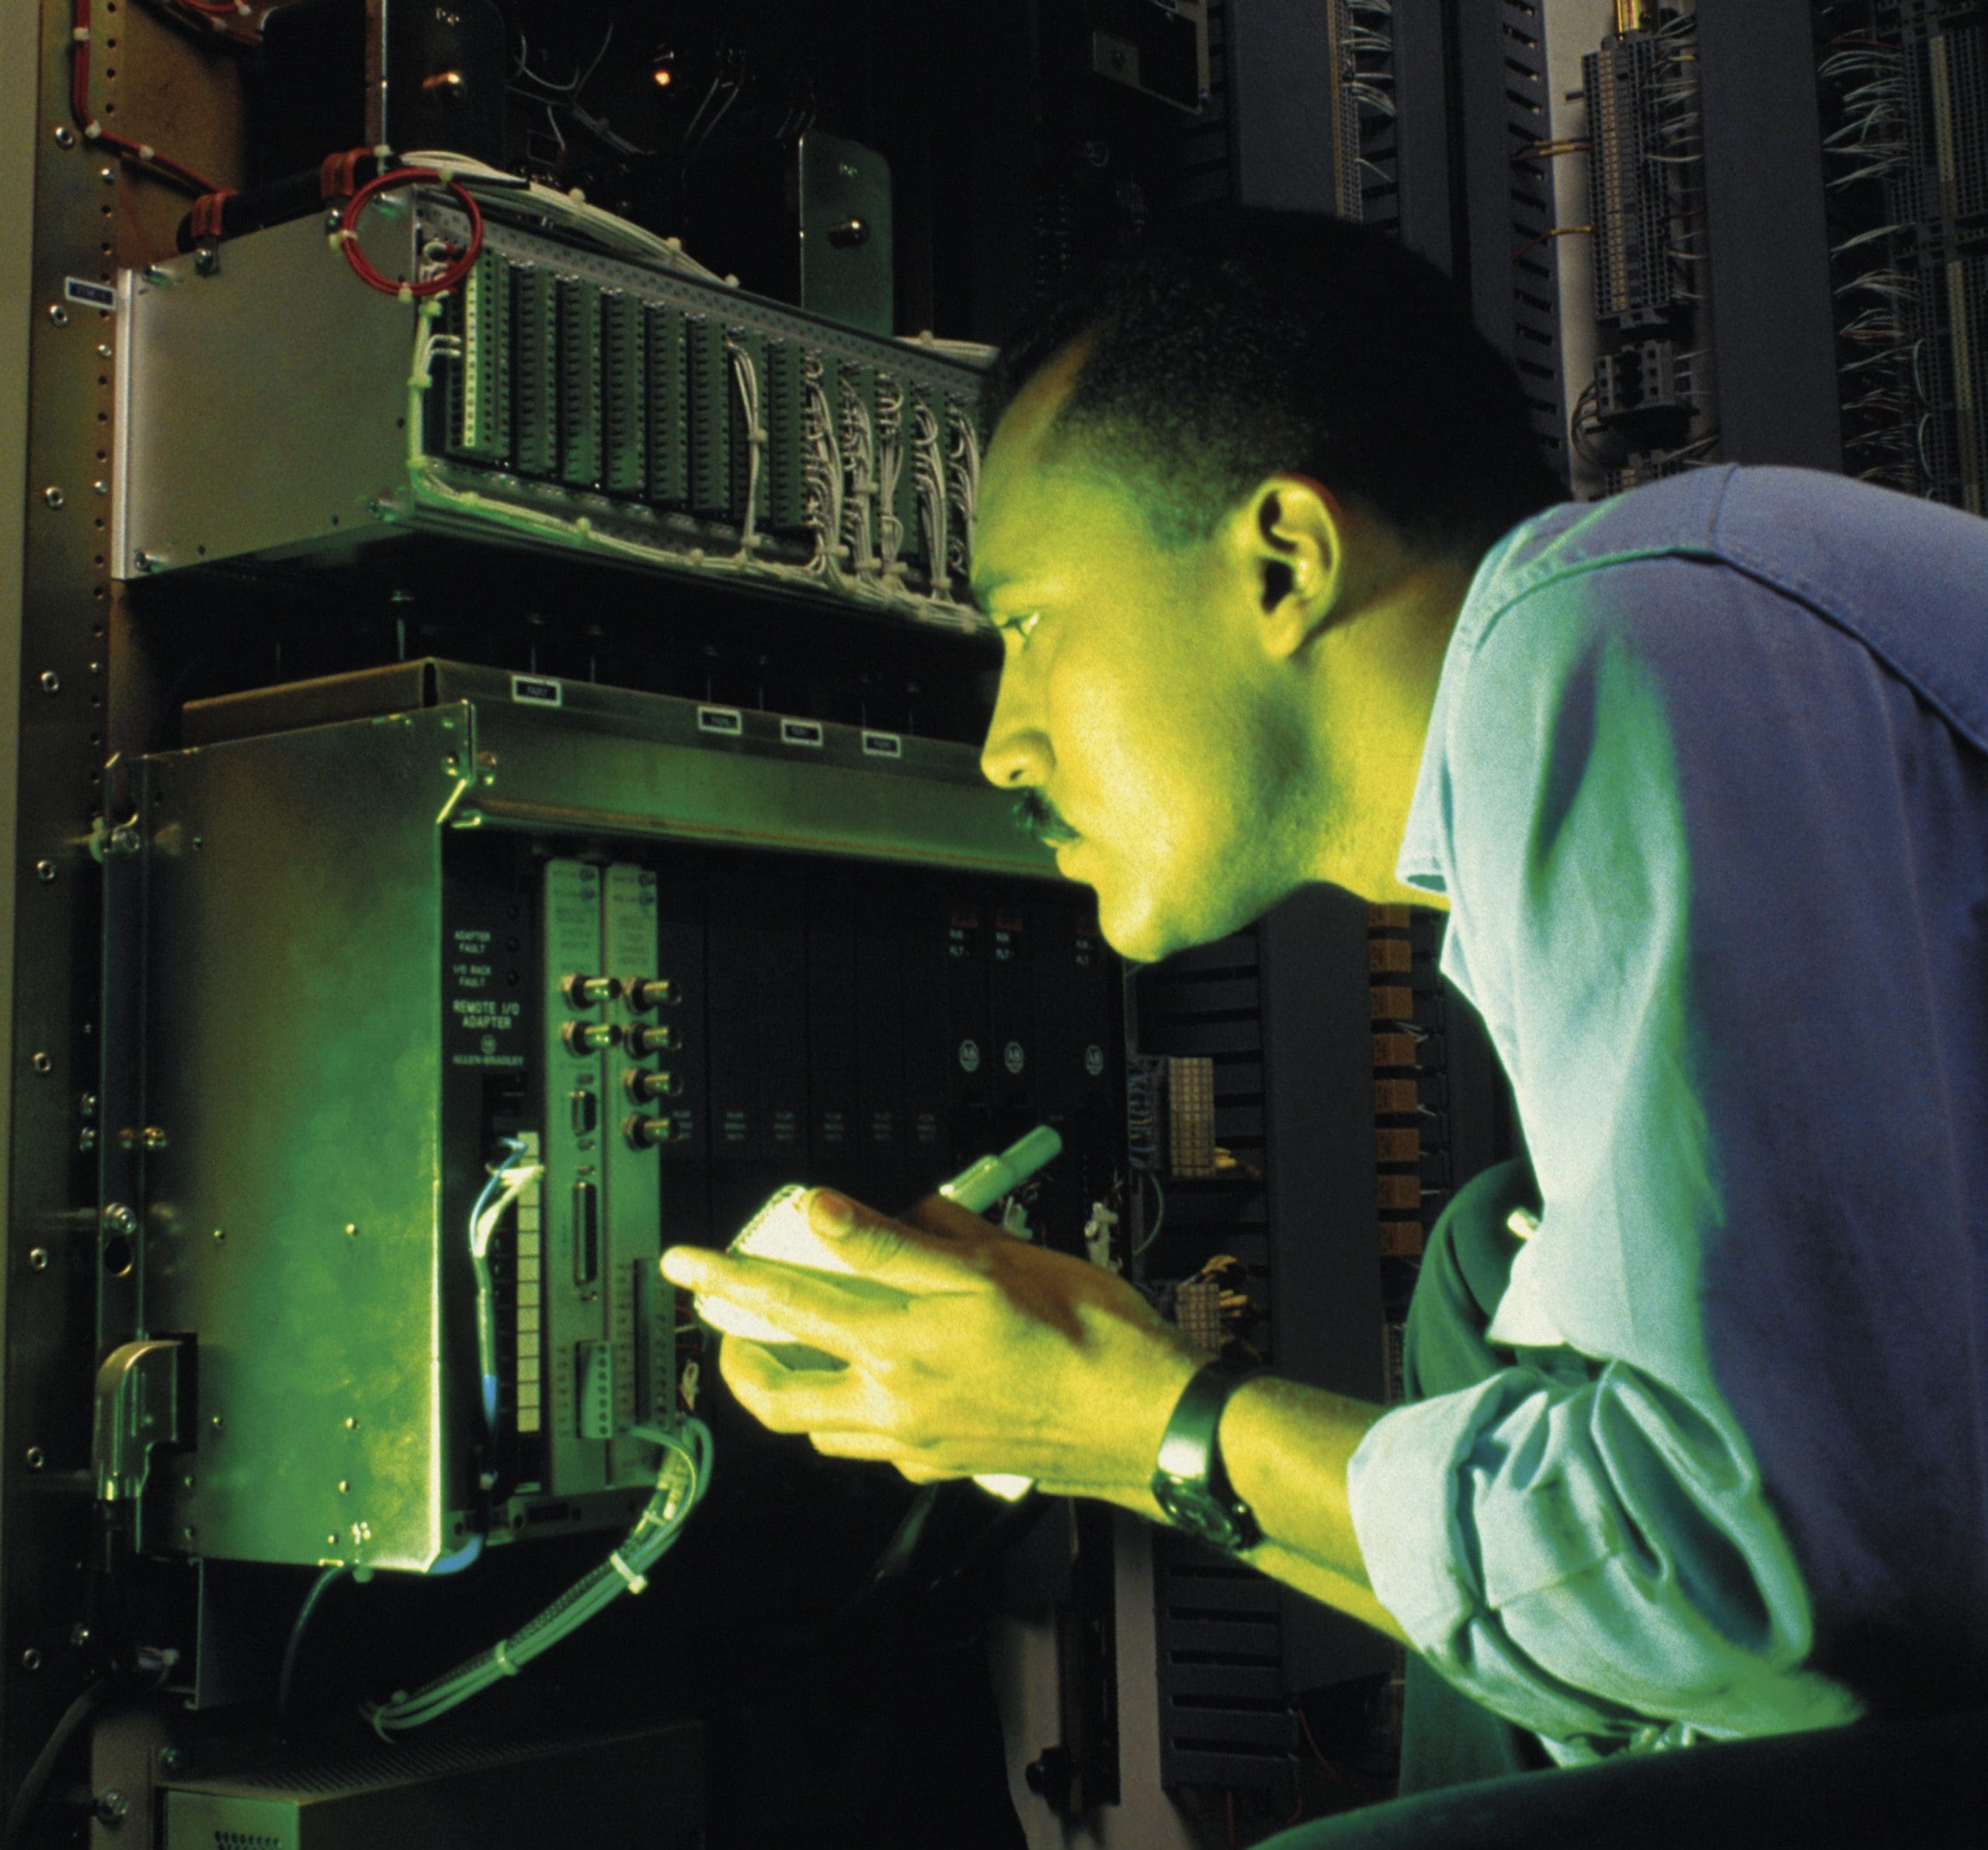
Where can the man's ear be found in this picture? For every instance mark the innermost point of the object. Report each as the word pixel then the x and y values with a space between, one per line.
pixel 1289 538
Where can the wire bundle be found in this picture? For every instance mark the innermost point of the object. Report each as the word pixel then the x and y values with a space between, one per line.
pixel 441 269
pixel 681 1486
pixel 1887 411
pixel 826 472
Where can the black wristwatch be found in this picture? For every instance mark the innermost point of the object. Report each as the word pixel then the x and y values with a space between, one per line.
pixel 1189 1482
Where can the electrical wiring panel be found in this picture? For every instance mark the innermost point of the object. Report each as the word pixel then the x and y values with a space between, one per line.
pixel 1647 409
pixel 1602 297
pixel 1904 85
pixel 530 1051
pixel 625 410
pixel 1360 42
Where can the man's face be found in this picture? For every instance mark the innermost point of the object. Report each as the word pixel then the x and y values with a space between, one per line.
pixel 1135 700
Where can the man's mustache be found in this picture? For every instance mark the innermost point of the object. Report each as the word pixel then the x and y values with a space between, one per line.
pixel 1036 816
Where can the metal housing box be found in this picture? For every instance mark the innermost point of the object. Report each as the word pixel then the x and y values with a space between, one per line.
pixel 308 1203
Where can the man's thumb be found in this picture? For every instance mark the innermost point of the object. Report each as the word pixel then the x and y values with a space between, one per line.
pixel 832 1215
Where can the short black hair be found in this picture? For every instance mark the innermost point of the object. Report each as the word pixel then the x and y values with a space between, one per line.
pixel 1241 343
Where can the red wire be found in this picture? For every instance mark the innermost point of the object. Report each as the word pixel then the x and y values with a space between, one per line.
pixel 1311 1740
pixel 458 268
pixel 79 105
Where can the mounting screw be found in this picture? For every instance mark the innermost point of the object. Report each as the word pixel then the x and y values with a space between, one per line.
pixel 125 839
pixel 206 260
pixel 351 1424
pixel 31 1659
pixel 217 1424
pixel 38 1259
pixel 142 561
pixel 80 1635
pixel 53 496
pixel 108 176
pixel 86 1137
pixel 100 486
pixel 103 350
pixel 51 681
pixel 87 1105
pixel 344 1486
pixel 352 1229
pixel 110 1806
pixel 42 1064
pixel 44 871
pixel 153 1137
pixel 34 1457
pixel 58 314
pixel 172 1760
pixel 221 1234
pixel 65 136
pixel 118 1218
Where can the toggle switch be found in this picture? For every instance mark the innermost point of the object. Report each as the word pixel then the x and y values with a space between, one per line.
pixel 647 992
pixel 645 1038
pixel 643 1085
pixel 645 1133
pixel 590 992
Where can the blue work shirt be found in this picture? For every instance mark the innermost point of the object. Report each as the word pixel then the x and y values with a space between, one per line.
pixel 1706 786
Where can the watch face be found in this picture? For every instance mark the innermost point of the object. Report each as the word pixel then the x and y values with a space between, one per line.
pixel 1188 1506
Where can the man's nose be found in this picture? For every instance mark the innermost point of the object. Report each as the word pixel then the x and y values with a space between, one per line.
pixel 1016 753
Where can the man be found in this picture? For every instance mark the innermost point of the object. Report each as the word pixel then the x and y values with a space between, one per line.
pixel 1701 774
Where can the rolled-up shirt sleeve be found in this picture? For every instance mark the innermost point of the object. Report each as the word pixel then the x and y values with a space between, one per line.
pixel 1582 1543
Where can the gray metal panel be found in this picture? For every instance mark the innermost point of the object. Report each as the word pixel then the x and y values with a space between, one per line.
pixel 644 1787
pixel 610 761
pixel 262 404
pixel 1280 104
pixel 1325 1315
pixel 1774 337
pixel 294 1056
pixel 1484 265
pixel 19 123
pixel 631 787
pixel 846 237
pixel 1423 130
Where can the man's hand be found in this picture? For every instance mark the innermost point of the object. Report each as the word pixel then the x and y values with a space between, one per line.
pixel 969 1351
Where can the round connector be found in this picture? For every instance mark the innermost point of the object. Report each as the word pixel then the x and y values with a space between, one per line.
pixel 590 1037
pixel 645 1038
pixel 646 1133
pixel 647 992
pixel 590 992
pixel 643 1085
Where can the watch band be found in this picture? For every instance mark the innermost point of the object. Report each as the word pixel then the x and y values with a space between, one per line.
pixel 1188 1481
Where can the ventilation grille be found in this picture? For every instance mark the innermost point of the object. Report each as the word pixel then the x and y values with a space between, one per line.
pixel 246 1840
pixel 1535 292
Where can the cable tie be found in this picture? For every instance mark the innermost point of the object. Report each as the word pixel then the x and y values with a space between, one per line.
pixel 636 1583
pixel 502 1657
